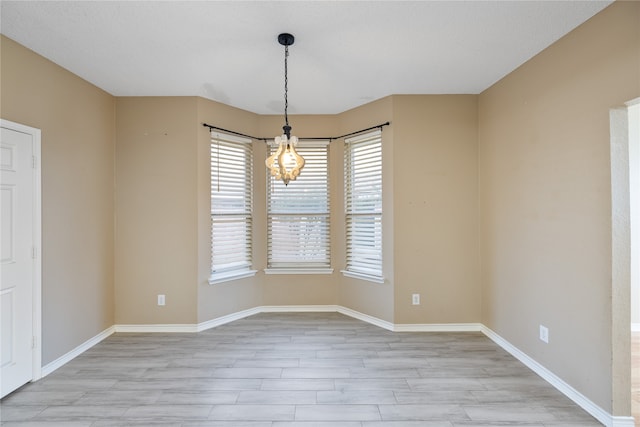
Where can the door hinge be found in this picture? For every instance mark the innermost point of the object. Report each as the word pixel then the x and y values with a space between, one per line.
pixel 34 252
pixel 33 341
pixel 34 162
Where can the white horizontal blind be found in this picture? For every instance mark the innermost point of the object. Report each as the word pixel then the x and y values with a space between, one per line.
pixel 231 203
pixel 298 214
pixel 363 204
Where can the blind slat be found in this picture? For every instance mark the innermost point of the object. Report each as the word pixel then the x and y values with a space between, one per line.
pixel 363 204
pixel 298 214
pixel 231 203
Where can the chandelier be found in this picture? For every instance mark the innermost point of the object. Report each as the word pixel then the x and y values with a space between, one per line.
pixel 285 163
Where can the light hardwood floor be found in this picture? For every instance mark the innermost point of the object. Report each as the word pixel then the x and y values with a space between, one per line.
pixel 294 370
pixel 635 376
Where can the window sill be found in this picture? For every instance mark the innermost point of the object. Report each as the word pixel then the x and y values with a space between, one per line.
pixel 367 277
pixel 298 270
pixel 232 275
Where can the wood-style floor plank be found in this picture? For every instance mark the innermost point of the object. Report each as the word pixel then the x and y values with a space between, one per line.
pixel 293 370
pixel 635 376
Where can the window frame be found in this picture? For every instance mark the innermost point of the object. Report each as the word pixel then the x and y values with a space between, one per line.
pixel 358 214
pixel 276 190
pixel 236 188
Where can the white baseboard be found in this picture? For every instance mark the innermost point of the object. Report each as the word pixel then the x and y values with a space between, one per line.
pixel 597 412
pixel 622 422
pixel 297 308
pixel 62 360
pixel 438 327
pixel 365 318
pixel 219 321
pixel 157 328
pixel 600 414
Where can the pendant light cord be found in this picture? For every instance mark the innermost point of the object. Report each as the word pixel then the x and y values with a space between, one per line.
pixel 286 84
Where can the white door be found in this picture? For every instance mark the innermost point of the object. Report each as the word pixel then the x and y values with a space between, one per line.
pixel 17 258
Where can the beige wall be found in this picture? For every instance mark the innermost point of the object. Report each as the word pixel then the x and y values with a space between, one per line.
pixel 497 208
pixel 436 208
pixel 230 297
pixel 156 242
pixel 160 139
pixel 287 289
pixel 545 200
pixel 77 123
pixel 373 299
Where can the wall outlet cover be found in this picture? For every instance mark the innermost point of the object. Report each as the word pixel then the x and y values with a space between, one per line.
pixel 544 334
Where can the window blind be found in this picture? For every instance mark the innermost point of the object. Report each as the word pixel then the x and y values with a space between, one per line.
pixel 231 203
pixel 298 214
pixel 363 204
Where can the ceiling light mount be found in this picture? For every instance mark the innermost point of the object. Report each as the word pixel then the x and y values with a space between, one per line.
pixel 286 39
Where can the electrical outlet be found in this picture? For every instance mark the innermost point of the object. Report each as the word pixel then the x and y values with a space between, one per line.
pixel 160 299
pixel 415 299
pixel 544 334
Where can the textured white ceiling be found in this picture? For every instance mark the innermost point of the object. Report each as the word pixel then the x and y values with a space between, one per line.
pixel 346 53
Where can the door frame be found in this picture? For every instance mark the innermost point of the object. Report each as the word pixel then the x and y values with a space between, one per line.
pixel 621 271
pixel 36 351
